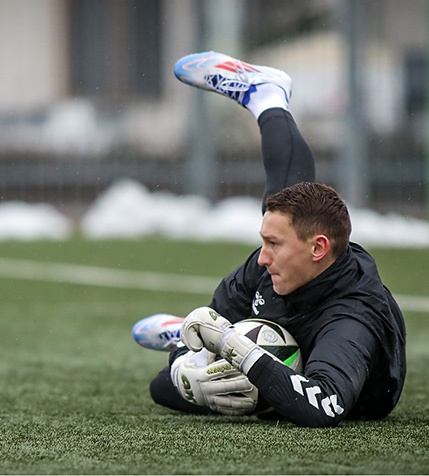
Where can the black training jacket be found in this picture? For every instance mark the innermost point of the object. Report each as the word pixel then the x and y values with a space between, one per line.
pixel 350 331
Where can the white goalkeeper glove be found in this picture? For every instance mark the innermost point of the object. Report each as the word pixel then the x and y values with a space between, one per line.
pixel 204 327
pixel 202 380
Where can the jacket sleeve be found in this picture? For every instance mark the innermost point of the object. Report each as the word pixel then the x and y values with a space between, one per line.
pixel 333 378
pixel 233 297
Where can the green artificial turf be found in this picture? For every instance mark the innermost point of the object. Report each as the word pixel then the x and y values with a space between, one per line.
pixel 74 385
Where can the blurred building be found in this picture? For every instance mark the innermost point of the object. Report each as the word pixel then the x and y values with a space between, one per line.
pixel 87 93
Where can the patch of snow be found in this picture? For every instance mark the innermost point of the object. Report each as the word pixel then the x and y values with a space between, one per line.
pixel 26 222
pixel 129 210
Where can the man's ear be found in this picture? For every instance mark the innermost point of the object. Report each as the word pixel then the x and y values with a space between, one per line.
pixel 321 247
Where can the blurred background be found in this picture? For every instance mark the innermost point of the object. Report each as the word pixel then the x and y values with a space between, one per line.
pixel 88 97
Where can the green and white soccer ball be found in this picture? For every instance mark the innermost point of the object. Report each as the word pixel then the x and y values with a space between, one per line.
pixel 277 341
pixel 274 339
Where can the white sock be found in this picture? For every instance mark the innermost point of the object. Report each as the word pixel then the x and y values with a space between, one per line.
pixel 266 97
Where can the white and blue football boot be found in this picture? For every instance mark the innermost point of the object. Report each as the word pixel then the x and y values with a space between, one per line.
pixel 230 77
pixel 158 332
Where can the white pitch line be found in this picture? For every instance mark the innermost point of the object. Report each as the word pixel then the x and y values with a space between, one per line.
pixel 108 277
pixel 413 303
pixel 145 280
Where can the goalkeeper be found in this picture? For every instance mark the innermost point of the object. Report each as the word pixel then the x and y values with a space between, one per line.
pixel 307 277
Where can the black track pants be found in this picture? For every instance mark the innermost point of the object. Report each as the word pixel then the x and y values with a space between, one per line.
pixel 286 155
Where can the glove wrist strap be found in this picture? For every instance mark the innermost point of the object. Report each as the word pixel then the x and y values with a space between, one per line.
pixel 250 360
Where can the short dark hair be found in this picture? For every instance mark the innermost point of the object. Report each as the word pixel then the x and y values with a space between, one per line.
pixel 314 209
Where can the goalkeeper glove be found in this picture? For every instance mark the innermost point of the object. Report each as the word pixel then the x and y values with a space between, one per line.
pixel 204 327
pixel 215 384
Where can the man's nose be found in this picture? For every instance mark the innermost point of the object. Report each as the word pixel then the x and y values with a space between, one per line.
pixel 263 259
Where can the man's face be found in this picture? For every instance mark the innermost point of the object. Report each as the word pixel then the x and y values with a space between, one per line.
pixel 290 262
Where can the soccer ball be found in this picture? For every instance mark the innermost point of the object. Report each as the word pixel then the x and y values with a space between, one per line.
pixel 274 339
pixel 278 342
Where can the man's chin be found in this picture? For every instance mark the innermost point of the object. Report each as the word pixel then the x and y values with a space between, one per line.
pixel 279 290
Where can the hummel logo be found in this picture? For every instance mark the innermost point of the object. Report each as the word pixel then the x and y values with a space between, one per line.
pixel 257 301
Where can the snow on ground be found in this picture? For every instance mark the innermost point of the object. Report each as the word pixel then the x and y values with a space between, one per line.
pixel 129 210
pixel 26 222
